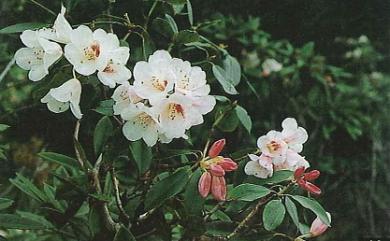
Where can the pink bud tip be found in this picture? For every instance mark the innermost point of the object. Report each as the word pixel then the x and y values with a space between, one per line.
pixel 310 187
pixel 216 148
pixel 228 164
pixel 216 170
pixel 298 173
pixel 218 188
pixel 318 227
pixel 204 184
pixel 312 175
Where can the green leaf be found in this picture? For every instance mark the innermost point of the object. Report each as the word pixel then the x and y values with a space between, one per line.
pixel 105 107
pixel 13 221
pixel 190 13
pixel 220 216
pixel 20 27
pixel 233 69
pixel 28 188
pixel 124 234
pixel 273 214
pixel 5 203
pixel 244 118
pixel 4 127
pixel 31 216
pixel 314 206
pixel 172 23
pixel 142 155
pixel 59 159
pixel 277 177
pixel 292 211
pixel 166 188
pixel 220 75
pixel 176 1
pixel 187 36
pixel 193 202
pixel 248 192
pixel 102 133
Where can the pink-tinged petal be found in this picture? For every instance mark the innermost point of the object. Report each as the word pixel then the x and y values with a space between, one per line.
pixel 265 161
pixel 204 184
pixel 310 187
pixel 216 148
pixel 318 227
pixel 217 170
pixel 299 172
pixel 312 175
pixel 228 164
pixel 218 188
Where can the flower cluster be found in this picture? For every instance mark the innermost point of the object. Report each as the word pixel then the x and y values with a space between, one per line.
pixel 303 180
pixel 168 96
pixel 215 166
pixel 279 150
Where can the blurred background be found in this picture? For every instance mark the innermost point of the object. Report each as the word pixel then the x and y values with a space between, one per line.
pixel 335 81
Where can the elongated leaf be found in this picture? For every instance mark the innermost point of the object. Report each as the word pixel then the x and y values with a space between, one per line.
pixel 232 69
pixel 59 159
pixel 292 211
pixel 34 217
pixel 12 221
pixel 193 202
pixel 220 75
pixel 5 203
pixel 105 107
pixel 28 188
pixel 314 206
pixel 20 27
pixel 190 13
pixel 142 155
pixel 124 234
pixel 3 127
pixel 244 118
pixel 172 23
pixel 166 188
pixel 273 214
pixel 187 36
pixel 103 131
pixel 248 192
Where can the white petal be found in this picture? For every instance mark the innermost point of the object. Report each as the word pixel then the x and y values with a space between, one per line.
pixel 160 56
pixel 82 36
pixel 69 91
pixel 30 38
pixel 289 124
pixel 75 108
pixel 253 168
pixel 53 105
pixel 25 58
pixel 37 72
pixel 62 27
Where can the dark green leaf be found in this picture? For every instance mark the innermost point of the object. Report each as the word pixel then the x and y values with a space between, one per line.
pixel 292 211
pixel 5 203
pixel 3 127
pixel 220 75
pixel 244 118
pixel 190 14
pixel 248 192
pixel 28 188
pixel 59 159
pixel 142 155
pixel 193 202
pixel 103 131
pixel 172 23
pixel 314 206
pixel 277 177
pixel 273 214
pixel 166 188
pixel 105 107
pixel 187 36
pixel 12 221
pixel 124 234
pixel 20 27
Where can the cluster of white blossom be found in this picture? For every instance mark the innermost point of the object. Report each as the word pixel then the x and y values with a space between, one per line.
pixel 168 95
pixel 167 98
pixel 279 150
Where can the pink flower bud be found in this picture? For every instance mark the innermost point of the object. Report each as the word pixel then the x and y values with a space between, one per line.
pixel 216 148
pixel 318 227
pixel 298 172
pixel 311 175
pixel 204 184
pixel 218 188
pixel 216 170
pixel 310 187
pixel 228 164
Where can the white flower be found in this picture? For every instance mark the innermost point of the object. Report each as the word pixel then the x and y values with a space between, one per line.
pixel 141 122
pixel 153 80
pixel 177 115
pixel 61 30
pixel 293 135
pixel 124 96
pixel 260 167
pixel 271 65
pixel 90 50
pixel 39 55
pixel 273 146
pixel 67 95
pixel 113 70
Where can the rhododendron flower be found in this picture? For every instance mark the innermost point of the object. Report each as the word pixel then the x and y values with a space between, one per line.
pixel 154 79
pixel 318 227
pixel 38 56
pixel 273 145
pixel 303 179
pixel 215 167
pixel 61 30
pixel 90 51
pixel 259 166
pixel 124 96
pixel 141 122
pixel 61 98
pixel 271 65
pixel 293 135
pixel 113 70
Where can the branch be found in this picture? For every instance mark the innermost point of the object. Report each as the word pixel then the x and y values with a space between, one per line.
pixel 43 7
pixel 118 198
pixel 76 138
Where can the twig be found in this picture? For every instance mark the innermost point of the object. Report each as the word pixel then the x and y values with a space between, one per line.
pixel 76 137
pixel 213 210
pixel 150 14
pixel 7 68
pixel 118 198
pixel 43 7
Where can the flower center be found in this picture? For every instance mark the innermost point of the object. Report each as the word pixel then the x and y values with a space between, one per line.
pixel 144 120
pixel 159 84
pixel 109 69
pixel 206 163
pixel 175 110
pixel 92 52
pixel 273 146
